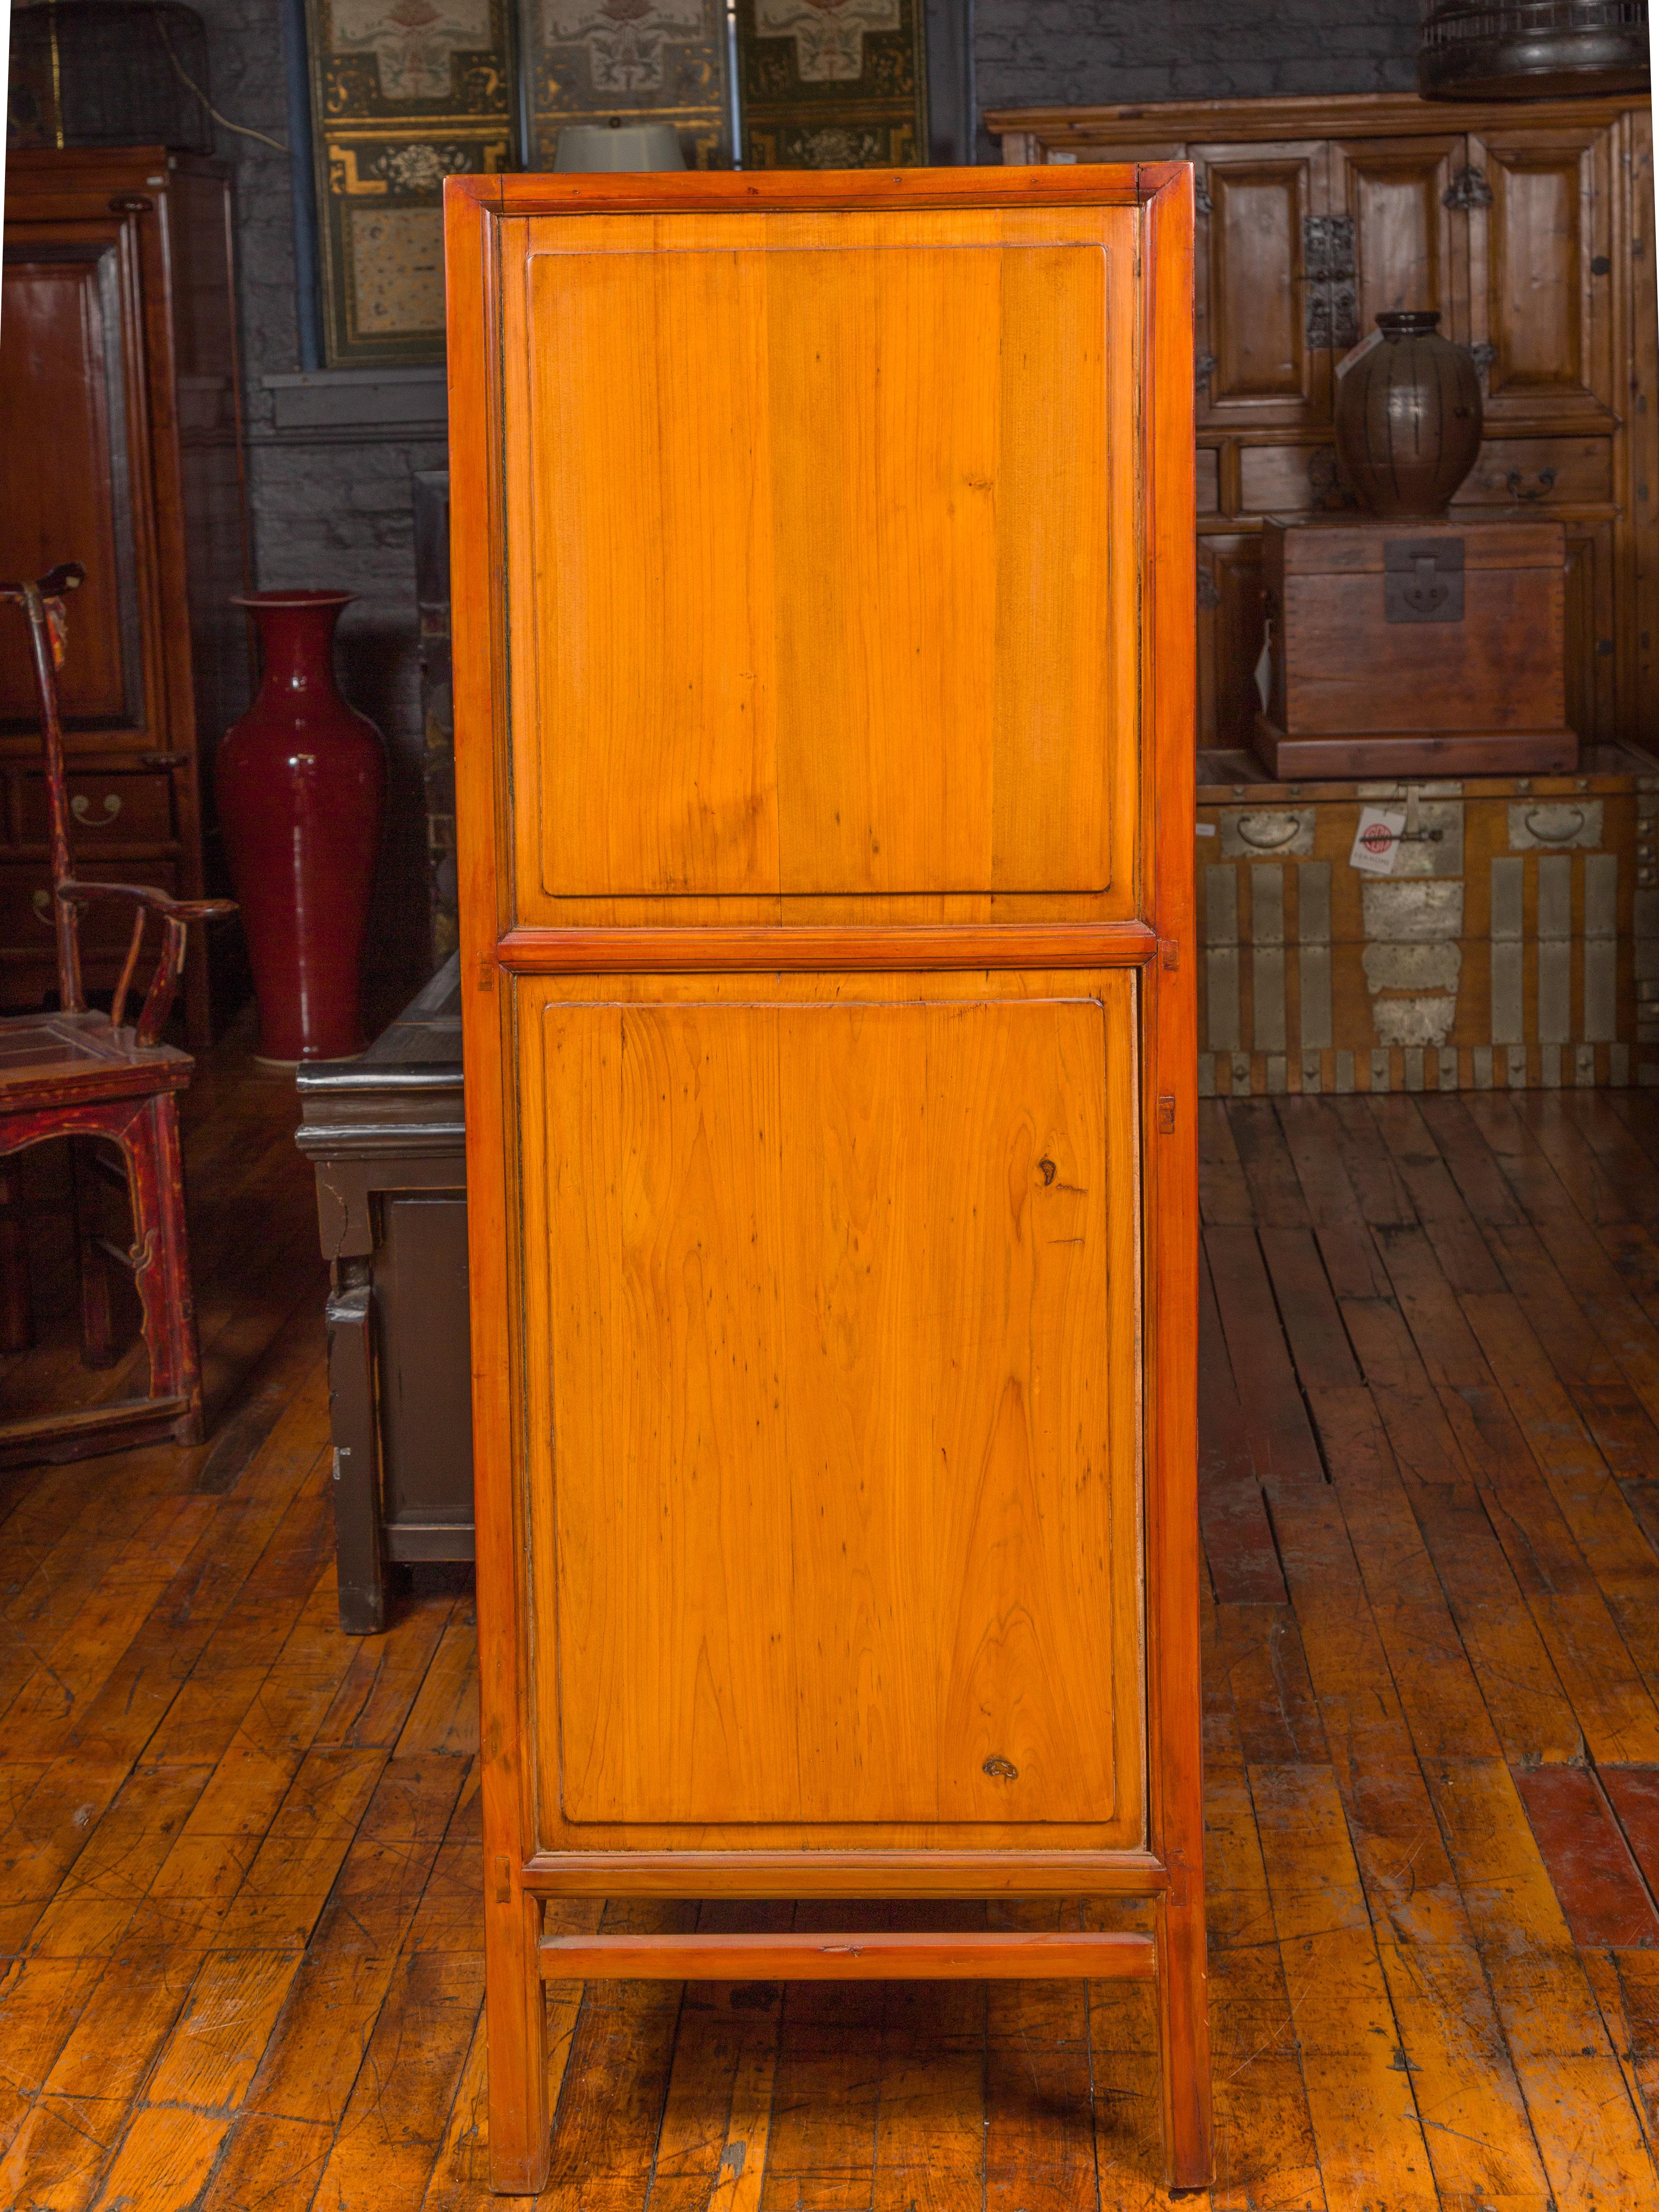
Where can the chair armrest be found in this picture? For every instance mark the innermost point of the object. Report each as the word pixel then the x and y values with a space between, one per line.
pixel 53 585
pixel 146 895
pixel 176 915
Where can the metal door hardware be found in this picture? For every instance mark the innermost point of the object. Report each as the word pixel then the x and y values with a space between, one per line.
pixel 1422 579
pixel 1331 275
pixel 1468 189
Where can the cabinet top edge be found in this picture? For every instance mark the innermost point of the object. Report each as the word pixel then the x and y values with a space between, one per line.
pixel 1368 114
pixel 34 168
pixel 1111 184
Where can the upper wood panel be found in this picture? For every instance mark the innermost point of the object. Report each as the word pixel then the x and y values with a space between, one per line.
pixel 885 1249
pixel 821 554
pixel 64 498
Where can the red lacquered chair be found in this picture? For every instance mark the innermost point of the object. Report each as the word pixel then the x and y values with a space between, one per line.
pixel 92 1079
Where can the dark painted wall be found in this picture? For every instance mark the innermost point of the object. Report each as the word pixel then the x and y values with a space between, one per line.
pixel 331 506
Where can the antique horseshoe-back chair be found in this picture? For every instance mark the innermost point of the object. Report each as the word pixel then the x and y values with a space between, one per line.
pixel 95 1078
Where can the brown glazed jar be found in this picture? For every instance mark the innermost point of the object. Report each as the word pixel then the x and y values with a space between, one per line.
pixel 1408 417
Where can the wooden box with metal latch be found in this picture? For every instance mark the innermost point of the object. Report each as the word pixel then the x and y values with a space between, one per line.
pixel 1406 649
pixel 1513 943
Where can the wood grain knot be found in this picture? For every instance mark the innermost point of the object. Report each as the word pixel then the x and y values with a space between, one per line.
pixel 1001 1769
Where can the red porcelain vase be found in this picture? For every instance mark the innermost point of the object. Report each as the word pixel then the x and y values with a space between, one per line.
pixel 300 782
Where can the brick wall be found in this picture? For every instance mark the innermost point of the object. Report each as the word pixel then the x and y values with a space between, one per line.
pixel 1029 54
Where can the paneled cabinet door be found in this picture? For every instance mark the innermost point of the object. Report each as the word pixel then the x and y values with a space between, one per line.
pixel 76 496
pixel 1410 242
pixel 1540 241
pixel 1231 628
pixel 1271 296
pixel 1591 667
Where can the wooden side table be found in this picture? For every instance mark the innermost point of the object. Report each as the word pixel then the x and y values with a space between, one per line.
pixel 386 1134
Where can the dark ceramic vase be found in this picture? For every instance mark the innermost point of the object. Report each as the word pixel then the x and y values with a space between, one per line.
pixel 1531 49
pixel 300 784
pixel 1408 418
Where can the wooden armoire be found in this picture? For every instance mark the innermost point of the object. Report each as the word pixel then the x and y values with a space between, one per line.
pixel 824 697
pixel 121 448
pixel 1528 225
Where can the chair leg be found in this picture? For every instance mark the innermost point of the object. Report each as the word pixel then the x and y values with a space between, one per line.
pixel 359 1540
pixel 16 1316
pixel 97 1344
pixel 162 1272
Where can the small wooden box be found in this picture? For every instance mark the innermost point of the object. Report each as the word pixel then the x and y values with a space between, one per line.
pixel 1404 648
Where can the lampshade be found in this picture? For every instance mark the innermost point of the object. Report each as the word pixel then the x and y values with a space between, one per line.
pixel 619 146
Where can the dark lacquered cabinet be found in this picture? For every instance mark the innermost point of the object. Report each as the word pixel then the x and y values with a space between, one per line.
pixel 121 448
pixel 386 1134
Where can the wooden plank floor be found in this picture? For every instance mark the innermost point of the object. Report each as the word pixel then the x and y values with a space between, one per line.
pixel 239 1875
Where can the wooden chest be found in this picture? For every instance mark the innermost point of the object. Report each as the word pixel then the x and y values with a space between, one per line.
pixel 1404 648
pixel 823 657
pixel 1514 943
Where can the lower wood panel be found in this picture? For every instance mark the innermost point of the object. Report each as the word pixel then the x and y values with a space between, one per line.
pixel 839 1520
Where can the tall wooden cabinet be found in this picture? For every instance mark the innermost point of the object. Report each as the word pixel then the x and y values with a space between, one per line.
pixel 120 447
pixel 823 648
pixel 1528 225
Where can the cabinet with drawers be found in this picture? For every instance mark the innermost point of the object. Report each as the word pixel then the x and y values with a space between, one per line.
pixel 122 450
pixel 1528 225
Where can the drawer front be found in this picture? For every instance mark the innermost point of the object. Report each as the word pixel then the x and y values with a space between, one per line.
pixel 26 922
pixel 1525 474
pixel 1528 473
pixel 104 810
pixel 1291 480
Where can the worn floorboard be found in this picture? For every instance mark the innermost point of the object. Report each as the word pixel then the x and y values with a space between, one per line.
pixel 239 1943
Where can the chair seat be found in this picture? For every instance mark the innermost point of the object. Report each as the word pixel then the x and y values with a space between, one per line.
pixel 51 1058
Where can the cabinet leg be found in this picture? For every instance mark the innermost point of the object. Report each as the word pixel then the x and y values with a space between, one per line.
pixel 16 1318
pixel 359 1547
pixel 521 2117
pixel 1184 2025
